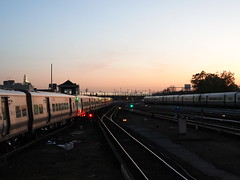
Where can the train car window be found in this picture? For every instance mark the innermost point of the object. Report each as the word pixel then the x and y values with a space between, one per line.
pixel 3 110
pixel 57 107
pixel 40 108
pixel 86 103
pixel 24 110
pixel 36 110
pixel 53 107
pixel 18 112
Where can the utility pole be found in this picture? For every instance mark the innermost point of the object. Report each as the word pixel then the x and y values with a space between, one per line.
pixel 51 79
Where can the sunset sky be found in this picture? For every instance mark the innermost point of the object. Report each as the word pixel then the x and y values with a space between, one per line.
pixel 117 45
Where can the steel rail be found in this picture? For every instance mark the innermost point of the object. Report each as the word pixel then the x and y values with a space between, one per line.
pixel 135 164
pixel 218 127
pixel 145 147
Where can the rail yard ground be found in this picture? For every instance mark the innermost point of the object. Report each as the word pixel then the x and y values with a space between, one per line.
pixel 205 154
pixel 91 157
pixel 56 158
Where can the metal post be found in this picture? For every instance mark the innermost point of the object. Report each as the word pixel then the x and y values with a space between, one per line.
pixel 51 79
pixel 182 124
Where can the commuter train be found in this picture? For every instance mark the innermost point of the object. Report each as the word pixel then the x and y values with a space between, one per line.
pixel 23 112
pixel 226 99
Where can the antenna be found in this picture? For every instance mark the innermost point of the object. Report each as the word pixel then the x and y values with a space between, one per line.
pixel 51 79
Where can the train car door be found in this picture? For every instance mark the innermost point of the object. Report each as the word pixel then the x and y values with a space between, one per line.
pixel 82 104
pixel 206 100
pixel 235 99
pixel 70 104
pixel 199 99
pixel 48 109
pixel 90 105
pixel 5 116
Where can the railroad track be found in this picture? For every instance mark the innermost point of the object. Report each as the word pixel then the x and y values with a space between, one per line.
pixel 217 122
pixel 135 156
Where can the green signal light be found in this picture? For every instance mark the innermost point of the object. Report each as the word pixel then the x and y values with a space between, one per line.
pixel 131 105
pixel 76 98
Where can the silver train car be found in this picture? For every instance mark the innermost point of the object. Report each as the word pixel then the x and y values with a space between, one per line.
pixel 225 99
pixel 23 112
pixel 87 104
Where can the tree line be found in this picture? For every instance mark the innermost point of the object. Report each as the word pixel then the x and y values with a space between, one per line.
pixel 209 83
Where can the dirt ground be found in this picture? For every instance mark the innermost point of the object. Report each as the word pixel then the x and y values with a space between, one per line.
pixel 77 153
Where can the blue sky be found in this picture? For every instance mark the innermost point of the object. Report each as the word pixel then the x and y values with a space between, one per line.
pixel 106 45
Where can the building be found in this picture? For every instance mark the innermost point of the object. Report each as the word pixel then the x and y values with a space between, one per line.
pixel 69 88
pixel 11 84
pixel 52 87
pixel 187 87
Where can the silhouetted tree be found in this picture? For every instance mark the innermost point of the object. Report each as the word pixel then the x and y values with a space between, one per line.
pixel 207 82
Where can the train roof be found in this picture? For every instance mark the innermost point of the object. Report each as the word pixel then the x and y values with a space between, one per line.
pixel 10 92
pixel 221 93
pixel 44 93
pixel 94 97
pixel 83 96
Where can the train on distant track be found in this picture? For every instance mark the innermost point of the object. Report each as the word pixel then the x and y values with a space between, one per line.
pixel 23 112
pixel 225 99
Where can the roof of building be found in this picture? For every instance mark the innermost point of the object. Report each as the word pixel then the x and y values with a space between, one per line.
pixel 68 84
